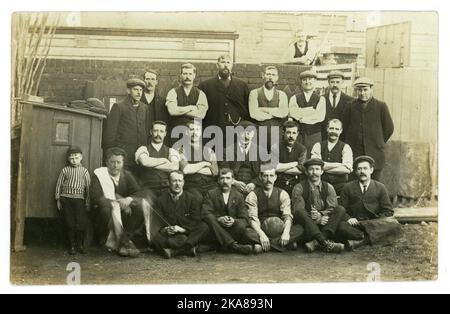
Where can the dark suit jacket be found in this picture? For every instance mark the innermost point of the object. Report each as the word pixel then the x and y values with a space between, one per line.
pixel 127 187
pixel 126 127
pixel 157 110
pixel 335 113
pixel 375 203
pixel 186 212
pixel 214 205
pixel 221 98
pixel 368 130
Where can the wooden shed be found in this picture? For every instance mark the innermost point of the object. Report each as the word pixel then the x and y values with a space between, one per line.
pixel 47 130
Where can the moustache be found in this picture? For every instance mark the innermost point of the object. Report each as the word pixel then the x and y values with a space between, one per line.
pixel 333 134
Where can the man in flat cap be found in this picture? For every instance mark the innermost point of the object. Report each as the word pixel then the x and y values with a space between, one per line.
pixel 127 124
pixel 337 156
pixel 308 108
pixel 268 105
pixel 336 100
pixel 369 209
pixel 186 102
pixel 270 216
pixel 316 208
pixel 368 125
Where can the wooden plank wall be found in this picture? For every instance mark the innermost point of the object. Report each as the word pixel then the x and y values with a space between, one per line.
pixel 412 97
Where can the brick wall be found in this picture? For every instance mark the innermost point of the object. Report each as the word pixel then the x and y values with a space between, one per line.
pixel 65 80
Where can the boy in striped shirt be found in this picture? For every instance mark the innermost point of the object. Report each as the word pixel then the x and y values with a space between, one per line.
pixel 72 198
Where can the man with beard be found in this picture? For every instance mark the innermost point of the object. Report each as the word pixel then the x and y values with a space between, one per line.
pixel 157 110
pixel 308 108
pixel 186 102
pixel 337 155
pixel 292 155
pixel 181 213
pixel 316 208
pixel 268 105
pixel 127 124
pixel 245 159
pixel 271 220
pixel 369 208
pixel 225 213
pixel 336 100
pixel 368 125
pixel 198 163
pixel 227 97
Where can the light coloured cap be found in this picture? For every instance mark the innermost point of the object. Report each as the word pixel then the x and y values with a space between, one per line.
pixel 308 73
pixel 334 74
pixel 363 81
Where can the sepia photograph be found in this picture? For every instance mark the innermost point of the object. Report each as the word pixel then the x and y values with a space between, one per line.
pixel 223 147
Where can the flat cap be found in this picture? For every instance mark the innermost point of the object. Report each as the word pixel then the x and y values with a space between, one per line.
pixel 334 74
pixel 313 162
pixel 135 82
pixel 308 73
pixel 368 159
pixel 363 81
pixel 74 150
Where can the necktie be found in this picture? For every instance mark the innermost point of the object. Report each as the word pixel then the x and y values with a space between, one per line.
pixel 365 189
pixel 334 101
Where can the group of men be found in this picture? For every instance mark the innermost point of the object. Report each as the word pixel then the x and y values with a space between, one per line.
pixel 186 196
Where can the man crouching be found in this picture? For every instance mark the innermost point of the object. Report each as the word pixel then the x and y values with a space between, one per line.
pixel 180 211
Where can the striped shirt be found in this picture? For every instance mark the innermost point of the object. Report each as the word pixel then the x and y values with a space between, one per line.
pixel 73 182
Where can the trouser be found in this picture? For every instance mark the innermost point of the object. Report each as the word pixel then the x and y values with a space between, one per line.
pixel 318 232
pixel 296 235
pixel 309 140
pixel 75 218
pixel 118 228
pixel 227 236
pixel 191 239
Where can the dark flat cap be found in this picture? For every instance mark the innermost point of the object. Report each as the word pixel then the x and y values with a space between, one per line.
pixel 314 162
pixel 308 73
pixel 135 82
pixel 368 159
pixel 74 150
pixel 334 74
pixel 363 81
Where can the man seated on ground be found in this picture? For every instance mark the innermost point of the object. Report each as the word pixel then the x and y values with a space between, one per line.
pixel 270 215
pixel 316 209
pixel 120 213
pixel 181 213
pixel 337 155
pixel 292 155
pixel 198 163
pixel 369 208
pixel 226 215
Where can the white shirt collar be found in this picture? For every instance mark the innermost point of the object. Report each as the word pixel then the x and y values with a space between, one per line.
pixel 229 77
pixel 362 185
pixel 157 146
pixel 338 97
pixel 269 93
pixel 308 94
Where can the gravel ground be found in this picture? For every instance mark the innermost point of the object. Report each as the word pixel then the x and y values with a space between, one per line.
pixel 413 257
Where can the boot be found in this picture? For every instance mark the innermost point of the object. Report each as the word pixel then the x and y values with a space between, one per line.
pixel 241 249
pixel 80 242
pixel 72 243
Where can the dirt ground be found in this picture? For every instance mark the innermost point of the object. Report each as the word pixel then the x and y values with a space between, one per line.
pixel 413 257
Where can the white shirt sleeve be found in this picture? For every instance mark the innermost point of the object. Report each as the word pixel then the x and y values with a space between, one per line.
pixel 316 151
